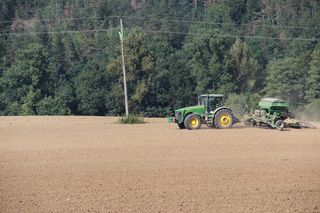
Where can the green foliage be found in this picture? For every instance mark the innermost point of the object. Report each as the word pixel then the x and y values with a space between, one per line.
pixel 28 106
pixel 132 119
pixel 241 103
pixel 91 92
pixel 25 77
pixel 286 79
pixel 52 106
pixel 313 77
pixel 169 62
pixel 242 66
pixel 206 54
pixel 238 103
pixel 140 69
pixel 219 13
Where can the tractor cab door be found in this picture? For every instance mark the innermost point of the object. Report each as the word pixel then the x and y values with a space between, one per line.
pixel 204 100
pixel 214 103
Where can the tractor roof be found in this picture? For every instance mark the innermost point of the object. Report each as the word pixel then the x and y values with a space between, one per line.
pixel 267 103
pixel 212 95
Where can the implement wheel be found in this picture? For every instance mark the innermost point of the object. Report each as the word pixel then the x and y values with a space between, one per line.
pixel 280 125
pixel 192 121
pixel 223 119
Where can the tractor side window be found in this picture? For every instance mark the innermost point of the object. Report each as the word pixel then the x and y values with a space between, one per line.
pixel 215 103
pixel 211 104
pixel 219 102
pixel 204 102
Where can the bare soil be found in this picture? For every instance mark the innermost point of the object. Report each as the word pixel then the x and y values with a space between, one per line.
pixel 94 164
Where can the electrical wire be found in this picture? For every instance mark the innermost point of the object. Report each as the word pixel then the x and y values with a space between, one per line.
pixel 151 18
pixel 231 36
pixel 161 32
pixel 57 32
pixel 59 19
pixel 218 23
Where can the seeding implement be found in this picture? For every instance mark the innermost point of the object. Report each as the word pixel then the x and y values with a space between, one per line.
pixel 274 113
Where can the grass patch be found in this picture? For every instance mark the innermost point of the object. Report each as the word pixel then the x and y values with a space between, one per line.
pixel 132 119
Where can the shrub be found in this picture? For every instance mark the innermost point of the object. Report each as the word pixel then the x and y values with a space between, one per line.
pixel 132 119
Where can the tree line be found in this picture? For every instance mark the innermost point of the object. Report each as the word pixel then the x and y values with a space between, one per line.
pixel 62 57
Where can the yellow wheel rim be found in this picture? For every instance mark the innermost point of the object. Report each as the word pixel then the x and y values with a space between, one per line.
pixel 194 123
pixel 225 120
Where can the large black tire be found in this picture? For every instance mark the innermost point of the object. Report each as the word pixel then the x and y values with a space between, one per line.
pixel 192 121
pixel 181 126
pixel 223 119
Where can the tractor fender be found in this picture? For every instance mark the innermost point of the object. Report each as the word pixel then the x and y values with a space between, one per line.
pixel 235 120
pixel 192 113
pixel 220 108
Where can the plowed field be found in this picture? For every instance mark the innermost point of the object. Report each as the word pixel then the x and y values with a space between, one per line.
pixel 94 164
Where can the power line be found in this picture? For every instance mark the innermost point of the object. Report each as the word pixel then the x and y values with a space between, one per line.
pixel 59 19
pixel 231 36
pixel 162 32
pixel 57 32
pixel 218 23
pixel 151 18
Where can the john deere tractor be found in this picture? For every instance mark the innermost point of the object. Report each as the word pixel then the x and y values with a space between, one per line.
pixel 210 111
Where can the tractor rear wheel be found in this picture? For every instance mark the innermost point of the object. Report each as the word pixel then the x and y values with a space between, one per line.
pixel 192 121
pixel 223 119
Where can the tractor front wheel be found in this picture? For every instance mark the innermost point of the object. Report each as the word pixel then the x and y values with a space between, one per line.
pixel 192 121
pixel 223 119
pixel 181 126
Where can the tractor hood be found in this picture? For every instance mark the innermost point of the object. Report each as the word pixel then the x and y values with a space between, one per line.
pixel 195 109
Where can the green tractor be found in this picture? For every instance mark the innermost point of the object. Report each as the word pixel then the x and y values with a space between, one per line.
pixel 210 111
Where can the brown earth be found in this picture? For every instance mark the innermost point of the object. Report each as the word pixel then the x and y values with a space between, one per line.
pixel 93 164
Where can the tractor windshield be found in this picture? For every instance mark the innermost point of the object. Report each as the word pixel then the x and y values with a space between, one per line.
pixel 215 102
pixel 204 101
pixel 211 102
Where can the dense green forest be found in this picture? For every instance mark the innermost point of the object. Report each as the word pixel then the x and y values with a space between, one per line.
pixel 61 57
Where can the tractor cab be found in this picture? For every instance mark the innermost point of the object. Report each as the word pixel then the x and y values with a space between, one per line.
pixel 210 101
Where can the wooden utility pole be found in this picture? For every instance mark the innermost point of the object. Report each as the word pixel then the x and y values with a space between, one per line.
pixel 124 70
